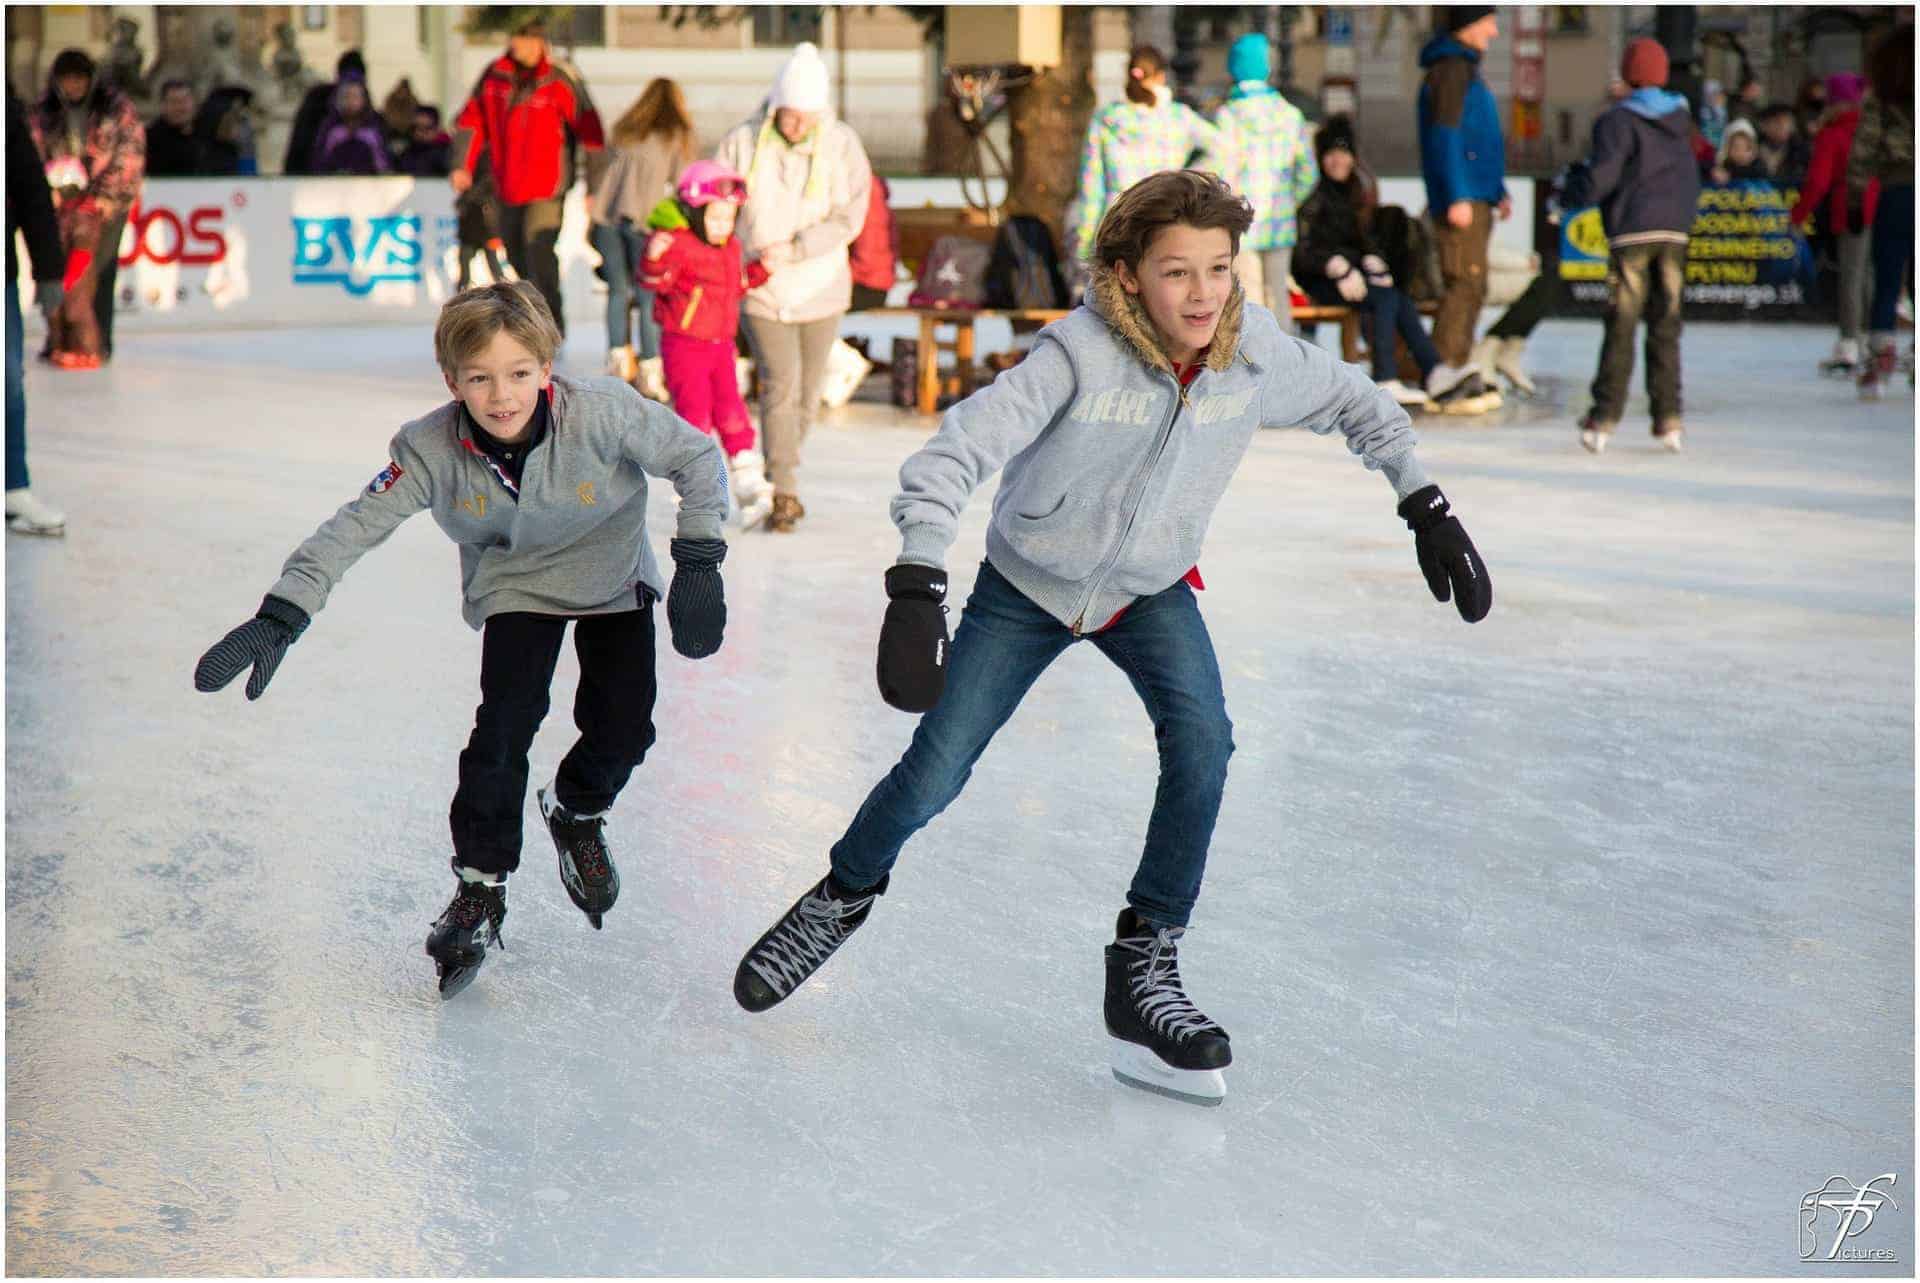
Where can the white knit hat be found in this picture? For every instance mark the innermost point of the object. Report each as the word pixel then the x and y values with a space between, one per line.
pixel 802 83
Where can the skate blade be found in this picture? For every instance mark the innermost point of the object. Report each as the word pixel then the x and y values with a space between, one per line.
pixel 1137 1067
pixel 595 919
pixel 454 977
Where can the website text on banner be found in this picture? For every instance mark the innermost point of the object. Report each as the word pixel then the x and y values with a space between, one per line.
pixel 322 251
pixel 1744 255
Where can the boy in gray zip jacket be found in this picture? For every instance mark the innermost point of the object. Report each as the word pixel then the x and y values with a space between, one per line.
pixel 1118 433
pixel 542 482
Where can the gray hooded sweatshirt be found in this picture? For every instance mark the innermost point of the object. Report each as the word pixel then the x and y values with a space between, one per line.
pixel 575 540
pixel 1112 469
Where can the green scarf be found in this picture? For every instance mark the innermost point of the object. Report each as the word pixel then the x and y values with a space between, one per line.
pixel 816 172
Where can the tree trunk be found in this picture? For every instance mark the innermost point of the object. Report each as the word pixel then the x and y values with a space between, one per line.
pixel 1048 118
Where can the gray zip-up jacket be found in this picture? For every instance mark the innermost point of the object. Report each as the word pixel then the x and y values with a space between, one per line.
pixel 1112 470
pixel 575 541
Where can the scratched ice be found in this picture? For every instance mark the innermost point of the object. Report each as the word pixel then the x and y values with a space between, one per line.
pixel 1577 941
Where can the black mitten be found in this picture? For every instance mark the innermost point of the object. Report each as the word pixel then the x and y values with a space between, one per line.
pixel 1447 557
pixel 262 642
pixel 696 602
pixel 913 638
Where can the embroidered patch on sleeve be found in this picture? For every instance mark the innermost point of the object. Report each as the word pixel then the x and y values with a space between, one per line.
pixel 384 479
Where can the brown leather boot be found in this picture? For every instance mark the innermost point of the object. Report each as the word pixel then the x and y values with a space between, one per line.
pixel 786 513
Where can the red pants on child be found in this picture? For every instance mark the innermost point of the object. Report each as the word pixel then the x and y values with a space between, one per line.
pixel 706 390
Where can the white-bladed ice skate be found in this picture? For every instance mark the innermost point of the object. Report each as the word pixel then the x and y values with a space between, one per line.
pixel 1136 1066
pixel 1162 1043
pixel 748 489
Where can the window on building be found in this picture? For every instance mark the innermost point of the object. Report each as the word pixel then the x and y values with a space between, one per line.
pixel 584 26
pixel 1569 20
pixel 786 24
pixel 313 17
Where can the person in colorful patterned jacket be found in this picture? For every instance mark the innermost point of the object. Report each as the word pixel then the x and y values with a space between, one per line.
pixel 526 113
pixel 1127 141
pixel 94 148
pixel 1264 153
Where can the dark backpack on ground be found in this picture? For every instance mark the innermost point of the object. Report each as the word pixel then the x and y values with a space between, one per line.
pixel 1024 269
pixel 1407 245
pixel 954 275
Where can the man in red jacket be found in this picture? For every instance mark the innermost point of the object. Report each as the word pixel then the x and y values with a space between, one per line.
pixel 527 111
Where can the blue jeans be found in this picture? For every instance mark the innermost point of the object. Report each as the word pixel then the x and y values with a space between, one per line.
pixel 16 391
pixel 1003 644
pixel 1394 311
pixel 1892 247
pixel 620 249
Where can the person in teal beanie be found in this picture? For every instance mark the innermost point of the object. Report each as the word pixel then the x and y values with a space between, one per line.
pixel 1265 153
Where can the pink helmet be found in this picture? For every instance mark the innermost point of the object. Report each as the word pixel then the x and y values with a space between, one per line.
pixel 706 181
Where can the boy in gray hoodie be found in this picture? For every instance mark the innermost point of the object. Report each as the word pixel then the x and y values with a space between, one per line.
pixel 1119 434
pixel 542 482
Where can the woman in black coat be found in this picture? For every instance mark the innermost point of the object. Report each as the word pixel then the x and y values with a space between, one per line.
pixel 1337 262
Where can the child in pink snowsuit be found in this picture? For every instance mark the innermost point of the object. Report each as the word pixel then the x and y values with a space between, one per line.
pixel 694 267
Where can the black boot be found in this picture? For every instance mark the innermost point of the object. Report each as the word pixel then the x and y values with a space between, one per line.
pixel 460 936
pixel 586 866
pixel 818 923
pixel 1147 1008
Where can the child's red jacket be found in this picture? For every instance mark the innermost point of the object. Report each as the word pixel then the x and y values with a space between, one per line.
pixel 697 287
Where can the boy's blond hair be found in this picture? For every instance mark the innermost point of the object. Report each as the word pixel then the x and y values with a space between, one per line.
pixel 1159 201
pixel 471 318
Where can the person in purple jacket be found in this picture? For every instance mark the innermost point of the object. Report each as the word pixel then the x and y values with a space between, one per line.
pixel 353 138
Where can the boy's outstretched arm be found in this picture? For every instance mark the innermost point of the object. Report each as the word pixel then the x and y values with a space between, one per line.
pixel 396 492
pixel 976 438
pixel 666 445
pixel 1310 389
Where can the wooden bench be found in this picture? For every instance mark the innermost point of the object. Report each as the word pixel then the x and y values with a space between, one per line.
pixel 960 321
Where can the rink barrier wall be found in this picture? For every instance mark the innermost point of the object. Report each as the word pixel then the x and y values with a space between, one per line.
pixel 266 253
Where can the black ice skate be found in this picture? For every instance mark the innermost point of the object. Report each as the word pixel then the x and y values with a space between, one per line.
pixel 818 923
pixel 586 866
pixel 1162 1042
pixel 460 936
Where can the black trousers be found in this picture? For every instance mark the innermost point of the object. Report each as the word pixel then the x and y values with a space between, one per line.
pixel 613 709
pixel 530 231
pixel 1644 282
pixel 107 282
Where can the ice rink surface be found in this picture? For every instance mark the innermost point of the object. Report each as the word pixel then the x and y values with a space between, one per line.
pixel 1579 940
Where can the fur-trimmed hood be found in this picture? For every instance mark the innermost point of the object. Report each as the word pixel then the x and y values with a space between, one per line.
pixel 1127 317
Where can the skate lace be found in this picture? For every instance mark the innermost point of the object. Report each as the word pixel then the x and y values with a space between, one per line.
pixel 804 940
pixel 584 844
pixel 1155 983
pixel 471 905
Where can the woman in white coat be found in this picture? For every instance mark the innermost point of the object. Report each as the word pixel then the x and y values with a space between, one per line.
pixel 808 181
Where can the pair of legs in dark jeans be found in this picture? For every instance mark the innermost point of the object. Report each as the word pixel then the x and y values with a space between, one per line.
pixel 1003 644
pixel 1892 251
pixel 530 232
pixel 1643 282
pixel 613 709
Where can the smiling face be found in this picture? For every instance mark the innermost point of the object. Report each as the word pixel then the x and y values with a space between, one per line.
pixel 1183 281
pixel 500 386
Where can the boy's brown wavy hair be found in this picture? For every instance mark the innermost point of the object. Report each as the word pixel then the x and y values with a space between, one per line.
pixel 1161 200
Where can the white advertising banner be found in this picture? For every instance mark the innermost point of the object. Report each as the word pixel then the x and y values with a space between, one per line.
pixel 246 252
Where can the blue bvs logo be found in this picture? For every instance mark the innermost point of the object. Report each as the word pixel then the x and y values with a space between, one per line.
pixel 357 253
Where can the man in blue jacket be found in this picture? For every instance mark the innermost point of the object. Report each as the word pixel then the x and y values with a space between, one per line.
pixel 1463 159
pixel 1642 175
